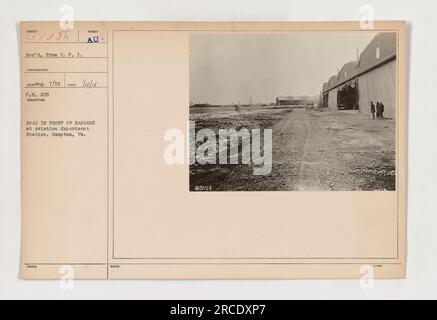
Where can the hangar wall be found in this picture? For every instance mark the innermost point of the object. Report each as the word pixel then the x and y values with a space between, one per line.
pixel 379 85
pixel 332 99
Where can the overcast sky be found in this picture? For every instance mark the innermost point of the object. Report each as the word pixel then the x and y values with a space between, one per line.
pixel 229 68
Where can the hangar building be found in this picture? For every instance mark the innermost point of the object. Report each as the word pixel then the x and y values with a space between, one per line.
pixel 371 78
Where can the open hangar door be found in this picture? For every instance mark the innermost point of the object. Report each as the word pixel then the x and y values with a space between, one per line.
pixel 348 96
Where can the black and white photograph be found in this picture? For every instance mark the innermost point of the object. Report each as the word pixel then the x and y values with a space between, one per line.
pixel 293 111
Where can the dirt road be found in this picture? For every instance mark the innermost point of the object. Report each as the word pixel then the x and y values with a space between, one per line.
pixel 315 151
pixel 334 151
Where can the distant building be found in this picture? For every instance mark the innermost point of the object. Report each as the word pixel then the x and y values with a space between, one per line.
pixel 285 100
pixel 294 101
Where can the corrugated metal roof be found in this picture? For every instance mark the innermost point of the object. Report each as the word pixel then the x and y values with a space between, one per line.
pixel 381 49
pixel 332 82
pixel 325 86
pixel 348 72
